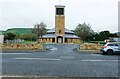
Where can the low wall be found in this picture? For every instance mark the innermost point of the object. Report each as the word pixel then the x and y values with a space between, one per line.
pixel 22 46
pixel 90 46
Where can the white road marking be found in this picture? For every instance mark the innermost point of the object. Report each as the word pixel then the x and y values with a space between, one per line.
pixel 25 76
pixel 96 55
pixel 14 53
pixel 101 60
pixel 12 76
pixel 53 48
pixel 67 57
pixel 47 59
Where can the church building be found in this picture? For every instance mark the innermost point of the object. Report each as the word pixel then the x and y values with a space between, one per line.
pixel 59 34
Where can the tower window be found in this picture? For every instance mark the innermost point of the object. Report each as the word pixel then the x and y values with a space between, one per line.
pixel 60 11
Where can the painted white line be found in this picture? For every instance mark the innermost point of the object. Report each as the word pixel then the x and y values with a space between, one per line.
pixel 26 76
pixel 47 59
pixel 67 57
pixel 13 76
pixel 95 55
pixel 15 53
pixel 101 60
pixel 53 49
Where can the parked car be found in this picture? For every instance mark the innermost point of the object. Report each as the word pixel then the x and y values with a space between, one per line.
pixel 110 48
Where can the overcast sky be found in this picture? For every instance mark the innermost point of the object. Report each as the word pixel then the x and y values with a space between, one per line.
pixel 101 14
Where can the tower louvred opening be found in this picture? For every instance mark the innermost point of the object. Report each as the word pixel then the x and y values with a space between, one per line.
pixel 59 11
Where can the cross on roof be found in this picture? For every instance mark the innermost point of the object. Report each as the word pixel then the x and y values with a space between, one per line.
pixel 59 2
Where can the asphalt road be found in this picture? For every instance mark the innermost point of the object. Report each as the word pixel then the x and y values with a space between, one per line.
pixel 60 60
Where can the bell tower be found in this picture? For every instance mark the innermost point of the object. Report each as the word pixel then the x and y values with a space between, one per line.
pixel 59 24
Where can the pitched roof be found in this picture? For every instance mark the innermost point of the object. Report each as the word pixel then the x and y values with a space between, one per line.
pixel 53 30
pixel 66 36
pixel 51 34
pixel 71 36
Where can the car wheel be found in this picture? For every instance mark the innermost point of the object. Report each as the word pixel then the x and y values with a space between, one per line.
pixel 104 53
pixel 110 52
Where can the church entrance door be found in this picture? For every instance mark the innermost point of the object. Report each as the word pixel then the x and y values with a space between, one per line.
pixel 59 39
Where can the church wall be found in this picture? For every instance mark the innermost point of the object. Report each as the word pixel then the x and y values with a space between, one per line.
pixel 72 40
pixel 52 40
pixel 46 40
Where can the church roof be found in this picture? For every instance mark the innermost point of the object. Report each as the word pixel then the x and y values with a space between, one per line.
pixel 68 31
pixel 51 34
pixel 71 36
pixel 53 30
pixel 66 36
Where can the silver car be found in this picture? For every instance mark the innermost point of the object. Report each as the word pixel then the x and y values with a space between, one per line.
pixel 110 48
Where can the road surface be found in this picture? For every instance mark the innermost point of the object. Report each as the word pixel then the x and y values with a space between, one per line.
pixel 60 60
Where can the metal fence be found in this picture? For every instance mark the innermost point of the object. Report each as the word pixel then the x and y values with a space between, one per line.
pixel 15 41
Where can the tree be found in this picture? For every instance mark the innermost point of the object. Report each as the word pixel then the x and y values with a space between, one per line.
pixel 83 31
pixel 113 35
pixel 95 37
pixel 28 37
pixel 104 35
pixel 39 30
pixel 92 37
pixel 10 36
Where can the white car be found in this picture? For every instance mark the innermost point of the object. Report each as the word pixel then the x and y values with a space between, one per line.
pixel 111 48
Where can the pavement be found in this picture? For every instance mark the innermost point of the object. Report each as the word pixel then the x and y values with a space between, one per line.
pixel 60 60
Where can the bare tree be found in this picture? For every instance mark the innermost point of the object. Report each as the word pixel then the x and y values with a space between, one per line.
pixel 39 30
